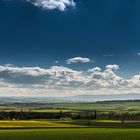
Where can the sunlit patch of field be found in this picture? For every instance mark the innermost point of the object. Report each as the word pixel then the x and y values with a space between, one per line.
pixel 68 124
pixel 35 124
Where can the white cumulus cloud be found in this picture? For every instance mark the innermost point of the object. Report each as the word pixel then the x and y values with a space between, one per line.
pixel 112 67
pixel 78 60
pixel 53 4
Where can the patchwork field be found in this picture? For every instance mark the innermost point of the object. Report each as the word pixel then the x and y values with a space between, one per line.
pixel 116 106
pixel 68 128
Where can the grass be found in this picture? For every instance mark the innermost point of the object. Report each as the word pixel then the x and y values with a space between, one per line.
pixel 71 134
pixel 103 123
pixel 35 124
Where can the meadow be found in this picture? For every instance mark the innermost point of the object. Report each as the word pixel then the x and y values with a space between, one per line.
pixel 71 134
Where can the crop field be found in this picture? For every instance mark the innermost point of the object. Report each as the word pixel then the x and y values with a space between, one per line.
pixel 68 124
pixel 71 134
pixel 37 124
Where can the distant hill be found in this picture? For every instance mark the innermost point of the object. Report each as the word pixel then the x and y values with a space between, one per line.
pixel 79 98
pixel 90 98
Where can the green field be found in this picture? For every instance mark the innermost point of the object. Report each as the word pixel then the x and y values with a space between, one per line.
pixel 52 110
pixel 69 129
pixel 125 106
pixel 71 134
pixel 115 106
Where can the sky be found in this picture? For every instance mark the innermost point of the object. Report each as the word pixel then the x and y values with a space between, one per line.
pixel 69 47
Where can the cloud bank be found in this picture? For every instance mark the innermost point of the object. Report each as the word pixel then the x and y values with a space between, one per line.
pixel 60 80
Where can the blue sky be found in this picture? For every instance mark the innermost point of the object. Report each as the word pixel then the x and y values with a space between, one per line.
pixel 34 34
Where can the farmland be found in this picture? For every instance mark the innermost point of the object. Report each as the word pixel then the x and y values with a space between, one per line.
pixel 71 134
pixel 116 106
pixel 19 125
pixel 67 124
pixel 37 124
pixel 116 110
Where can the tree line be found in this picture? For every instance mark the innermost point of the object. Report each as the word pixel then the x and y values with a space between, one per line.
pixel 13 115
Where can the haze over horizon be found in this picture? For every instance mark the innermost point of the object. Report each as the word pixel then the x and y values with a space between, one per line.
pixel 69 47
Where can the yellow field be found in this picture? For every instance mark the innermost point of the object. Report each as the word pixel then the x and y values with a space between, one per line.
pixel 34 124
